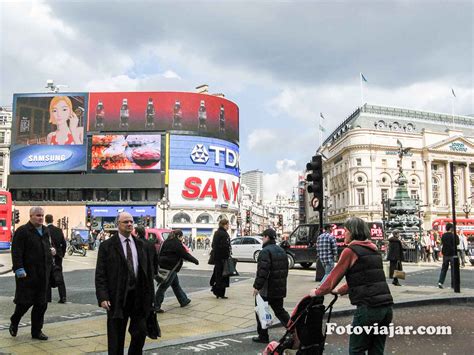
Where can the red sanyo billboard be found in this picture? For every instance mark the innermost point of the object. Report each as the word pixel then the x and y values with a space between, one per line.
pixel 206 115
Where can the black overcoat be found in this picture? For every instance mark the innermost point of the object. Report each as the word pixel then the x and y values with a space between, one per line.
pixel 395 249
pixel 111 277
pixel 58 241
pixel 32 252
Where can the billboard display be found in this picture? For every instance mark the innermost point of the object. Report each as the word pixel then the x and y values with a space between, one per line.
pixel 205 154
pixel 203 189
pixel 48 132
pixel 127 153
pixel 207 115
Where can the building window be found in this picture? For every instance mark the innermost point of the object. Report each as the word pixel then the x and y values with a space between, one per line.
pixel 75 195
pixel 384 193
pixel 88 194
pixel 153 194
pixel 37 195
pixel 361 197
pixel 360 179
pixel 113 195
pixel 2 136
pixel 413 164
pixel 60 195
pixel 124 195
pixel 204 218
pixel 23 195
pixel 101 195
pixel 359 162
pixel 136 195
pixel 181 217
pixel 1 160
pixel 414 194
pixel 434 167
pixel 384 163
pixel 435 190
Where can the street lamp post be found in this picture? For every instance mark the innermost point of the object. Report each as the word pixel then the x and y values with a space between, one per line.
pixel 164 204
pixel 466 209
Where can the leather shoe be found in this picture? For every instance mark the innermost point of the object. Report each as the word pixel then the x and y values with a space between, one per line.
pixel 260 340
pixel 186 303
pixel 40 336
pixel 13 330
pixel 223 297
pixel 62 300
pixel 159 310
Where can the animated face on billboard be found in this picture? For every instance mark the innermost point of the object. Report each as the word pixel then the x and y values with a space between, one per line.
pixel 48 134
pixel 207 115
pixel 126 152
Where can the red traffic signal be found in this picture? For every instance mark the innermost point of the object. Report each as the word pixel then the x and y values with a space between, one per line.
pixel 315 180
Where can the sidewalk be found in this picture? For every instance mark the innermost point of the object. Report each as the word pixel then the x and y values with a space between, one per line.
pixel 205 317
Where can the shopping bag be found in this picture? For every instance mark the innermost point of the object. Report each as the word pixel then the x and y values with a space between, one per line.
pixel 230 267
pixel 399 274
pixel 263 312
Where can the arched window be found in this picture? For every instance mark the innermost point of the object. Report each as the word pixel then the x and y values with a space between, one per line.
pixel 181 217
pixel 435 190
pixel 204 218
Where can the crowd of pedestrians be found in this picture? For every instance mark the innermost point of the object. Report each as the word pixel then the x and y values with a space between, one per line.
pixel 128 265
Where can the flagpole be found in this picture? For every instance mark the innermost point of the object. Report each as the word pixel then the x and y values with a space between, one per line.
pixel 320 132
pixel 452 105
pixel 361 90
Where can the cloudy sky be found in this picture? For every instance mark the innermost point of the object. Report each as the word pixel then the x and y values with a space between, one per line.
pixel 282 62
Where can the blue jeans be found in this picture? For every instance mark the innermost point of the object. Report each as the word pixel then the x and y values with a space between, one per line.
pixel 328 266
pixel 173 281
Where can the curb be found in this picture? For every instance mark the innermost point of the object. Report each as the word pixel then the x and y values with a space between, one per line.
pixel 347 311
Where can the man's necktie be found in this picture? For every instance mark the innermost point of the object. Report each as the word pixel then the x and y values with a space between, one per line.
pixel 131 270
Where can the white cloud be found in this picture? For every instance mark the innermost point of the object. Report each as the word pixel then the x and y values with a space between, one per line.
pixel 169 74
pixel 260 138
pixel 282 181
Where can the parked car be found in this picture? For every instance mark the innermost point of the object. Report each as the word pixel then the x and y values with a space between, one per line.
pixel 160 235
pixel 246 248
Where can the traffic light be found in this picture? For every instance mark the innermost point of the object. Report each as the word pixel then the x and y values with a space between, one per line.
pixel 16 214
pixel 315 182
pixel 89 218
pixel 247 217
pixel 280 220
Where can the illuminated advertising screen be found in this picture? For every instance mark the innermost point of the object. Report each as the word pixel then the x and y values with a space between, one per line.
pixel 203 189
pixel 48 132
pixel 205 154
pixel 205 115
pixel 127 153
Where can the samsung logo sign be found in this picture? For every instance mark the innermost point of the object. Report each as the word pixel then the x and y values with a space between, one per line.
pixel 40 160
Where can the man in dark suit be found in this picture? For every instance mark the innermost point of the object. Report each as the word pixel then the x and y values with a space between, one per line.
pixel 124 286
pixel 32 260
pixel 59 243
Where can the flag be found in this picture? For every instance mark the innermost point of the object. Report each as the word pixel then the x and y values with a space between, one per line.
pixel 363 77
pixel 321 115
pixel 452 90
pixel 321 128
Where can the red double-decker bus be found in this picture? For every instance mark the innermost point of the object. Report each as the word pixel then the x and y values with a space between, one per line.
pixel 464 224
pixel 5 220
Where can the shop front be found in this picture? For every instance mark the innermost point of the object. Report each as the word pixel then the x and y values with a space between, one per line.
pixel 104 217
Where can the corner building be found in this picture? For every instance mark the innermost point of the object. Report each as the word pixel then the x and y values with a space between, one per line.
pixel 362 163
pixel 171 159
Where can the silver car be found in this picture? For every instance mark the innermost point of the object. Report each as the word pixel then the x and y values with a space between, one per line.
pixel 246 248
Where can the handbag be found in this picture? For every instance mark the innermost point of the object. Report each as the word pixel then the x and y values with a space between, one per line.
pixel 56 277
pixel 229 267
pixel 399 274
pixel 153 330
pixel 212 258
pixel 164 275
pixel 263 312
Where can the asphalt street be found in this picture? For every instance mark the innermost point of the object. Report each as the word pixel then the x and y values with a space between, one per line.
pixel 456 316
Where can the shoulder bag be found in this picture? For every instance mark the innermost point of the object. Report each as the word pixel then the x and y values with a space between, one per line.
pixel 229 267
pixel 163 275
pixel 399 274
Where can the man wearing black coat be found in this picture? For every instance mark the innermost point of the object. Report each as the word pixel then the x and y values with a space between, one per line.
pixel 32 260
pixel 449 242
pixel 59 244
pixel 124 286
pixel 270 282
pixel 395 255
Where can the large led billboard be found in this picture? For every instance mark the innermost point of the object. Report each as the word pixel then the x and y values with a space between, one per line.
pixel 206 115
pixel 203 189
pixel 48 132
pixel 204 153
pixel 126 153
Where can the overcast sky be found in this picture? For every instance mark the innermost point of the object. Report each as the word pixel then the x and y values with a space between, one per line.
pixel 282 63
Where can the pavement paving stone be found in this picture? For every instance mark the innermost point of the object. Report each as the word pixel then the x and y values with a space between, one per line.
pixel 240 313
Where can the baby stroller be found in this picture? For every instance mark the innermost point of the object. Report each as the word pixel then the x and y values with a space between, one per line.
pixel 304 329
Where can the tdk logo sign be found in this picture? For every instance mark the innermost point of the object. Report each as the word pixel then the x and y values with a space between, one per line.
pixel 222 155
pixel 200 155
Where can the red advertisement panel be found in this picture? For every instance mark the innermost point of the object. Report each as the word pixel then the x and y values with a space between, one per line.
pixel 114 152
pixel 207 115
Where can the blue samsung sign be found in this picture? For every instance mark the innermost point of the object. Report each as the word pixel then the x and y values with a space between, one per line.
pixel 48 158
pixel 205 154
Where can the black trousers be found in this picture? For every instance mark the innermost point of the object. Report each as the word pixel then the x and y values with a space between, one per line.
pixel 37 315
pixel 116 329
pixel 280 313
pixel 61 284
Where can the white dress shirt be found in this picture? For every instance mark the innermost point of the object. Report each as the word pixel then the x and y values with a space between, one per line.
pixel 123 241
